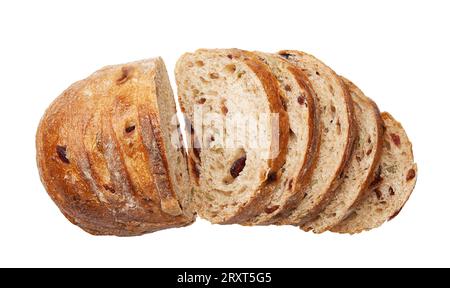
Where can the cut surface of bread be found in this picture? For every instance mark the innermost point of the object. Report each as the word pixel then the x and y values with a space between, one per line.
pixel 299 101
pixel 336 136
pixel 239 131
pixel 361 166
pixel 392 185
pixel 105 156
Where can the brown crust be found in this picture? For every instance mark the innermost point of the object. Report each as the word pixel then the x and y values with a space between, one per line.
pixel 378 149
pixel 304 176
pixel 258 202
pixel 362 193
pixel 107 188
pixel 273 91
pixel 347 152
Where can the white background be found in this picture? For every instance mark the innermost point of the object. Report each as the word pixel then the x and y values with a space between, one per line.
pixel 396 51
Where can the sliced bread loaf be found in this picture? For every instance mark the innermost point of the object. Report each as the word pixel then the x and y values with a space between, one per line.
pixel 299 101
pixel 361 166
pixel 392 185
pixel 336 136
pixel 239 132
pixel 105 154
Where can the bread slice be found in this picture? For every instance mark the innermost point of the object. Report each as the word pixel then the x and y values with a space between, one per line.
pixel 229 98
pixel 336 132
pixel 299 101
pixel 106 157
pixel 361 167
pixel 392 186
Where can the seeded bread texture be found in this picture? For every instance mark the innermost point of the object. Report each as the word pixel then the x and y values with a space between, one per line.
pixel 104 154
pixel 233 179
pixel 299 101
pixel 361 166
pixel 336 136
pixel 392 186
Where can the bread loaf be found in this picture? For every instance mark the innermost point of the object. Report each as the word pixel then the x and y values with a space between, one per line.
pixel 234 175
pixel 271 139
pixel 109 153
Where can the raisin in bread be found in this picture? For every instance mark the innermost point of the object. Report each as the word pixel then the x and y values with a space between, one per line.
pixel 229 97
pixel 361 166
pixel 106 157
pixel 336 136
pixel 299 101
pixel 392 186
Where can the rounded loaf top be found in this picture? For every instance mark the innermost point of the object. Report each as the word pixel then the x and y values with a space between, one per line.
pixel 102 154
